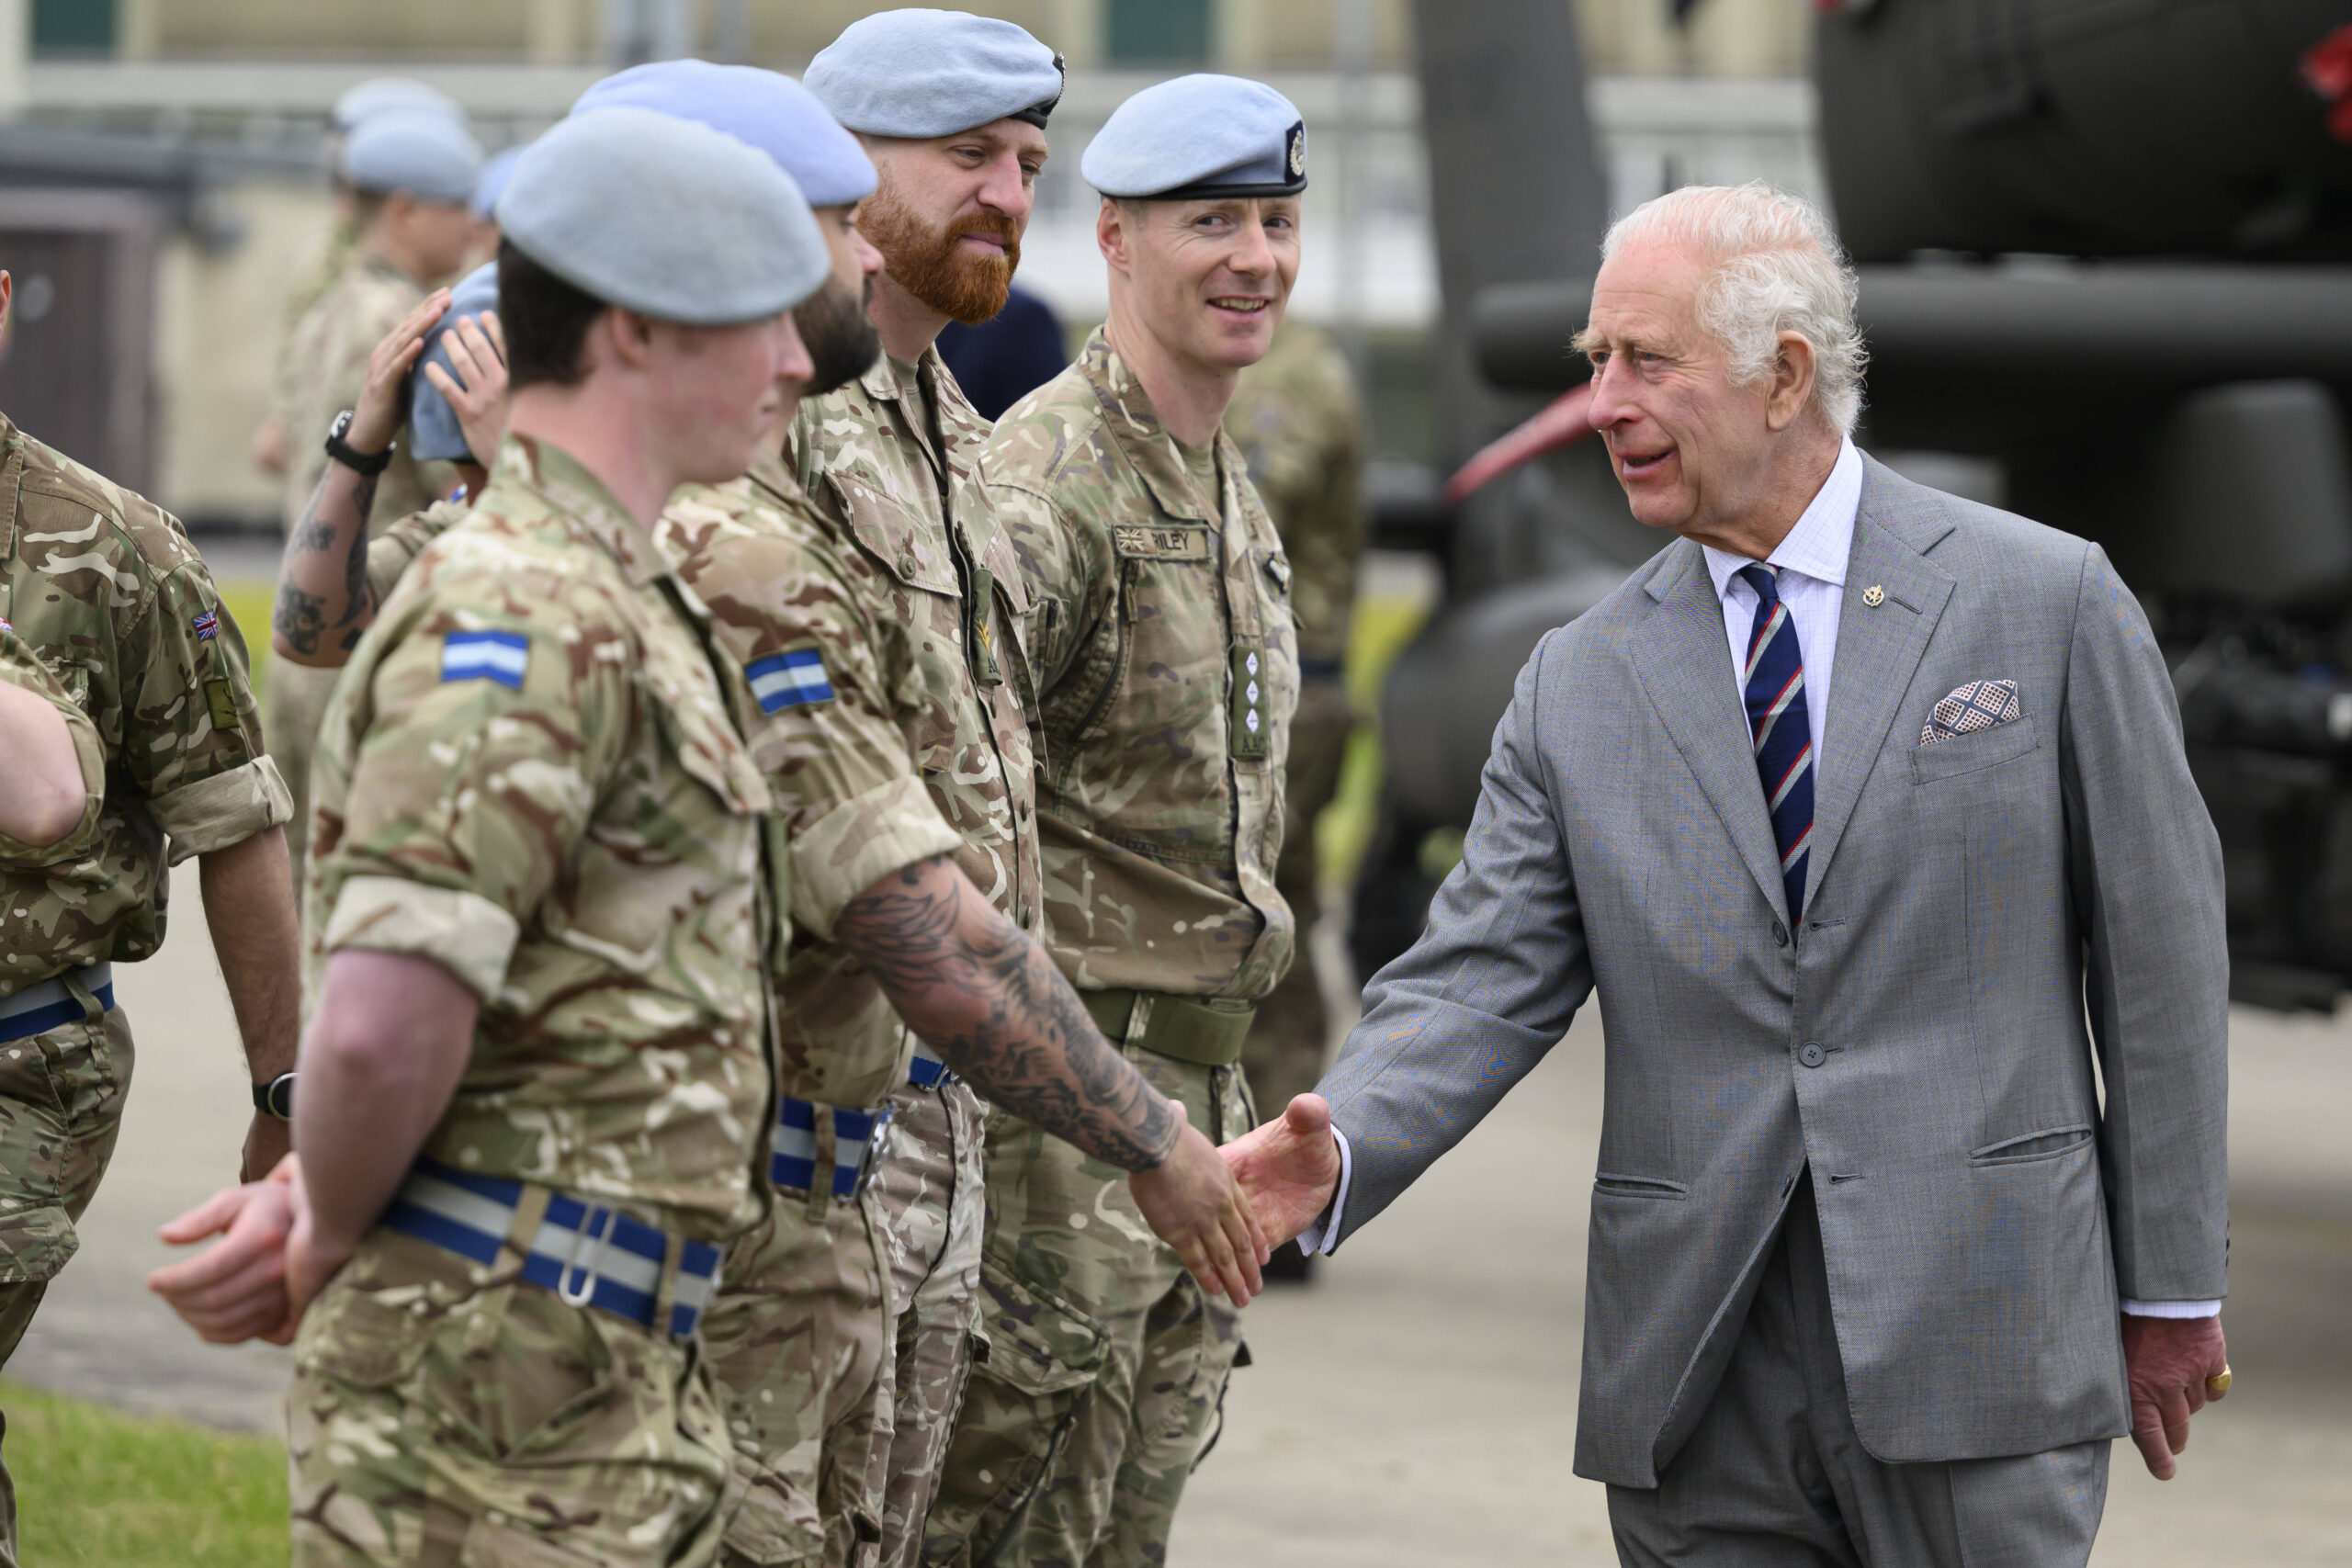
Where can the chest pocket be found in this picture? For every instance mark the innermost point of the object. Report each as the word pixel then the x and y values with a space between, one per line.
pixel 913 551
pixel 693 717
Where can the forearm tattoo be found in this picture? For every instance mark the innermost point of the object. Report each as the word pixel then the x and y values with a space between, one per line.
pixel 991 1001
pixel 301 618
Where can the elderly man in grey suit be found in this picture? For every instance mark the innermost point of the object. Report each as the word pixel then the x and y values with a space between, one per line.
pixel 1875 1273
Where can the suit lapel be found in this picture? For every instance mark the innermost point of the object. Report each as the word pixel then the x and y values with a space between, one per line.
pixel 1879 649
pixel 1683 661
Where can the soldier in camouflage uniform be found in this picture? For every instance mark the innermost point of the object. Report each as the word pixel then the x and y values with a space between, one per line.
pixel 109 595
pixel 1159 628
pixel 953 115
pixel 1295 420
pixel 538 1087
pixel 412 173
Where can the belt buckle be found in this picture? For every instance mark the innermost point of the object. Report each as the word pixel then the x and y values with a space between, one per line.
pixel 590 1273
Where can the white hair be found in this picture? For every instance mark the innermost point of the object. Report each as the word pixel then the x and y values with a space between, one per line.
pixel 1777 268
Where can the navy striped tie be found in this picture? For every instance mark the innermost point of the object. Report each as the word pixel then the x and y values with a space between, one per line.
pixel 1778 723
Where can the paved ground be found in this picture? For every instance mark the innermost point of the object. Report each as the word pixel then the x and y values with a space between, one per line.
pixel 1417 1404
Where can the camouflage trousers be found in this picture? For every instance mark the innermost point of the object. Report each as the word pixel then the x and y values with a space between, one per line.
pixel 795 1339
pixel 60 1106
pixel 1291 1035
pixel 446 1415
pixel 293 704
pixel 1106 1366
pixel 933 1197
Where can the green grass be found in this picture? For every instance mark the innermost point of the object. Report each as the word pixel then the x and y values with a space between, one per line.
pixel 98 1488
pixel 248 602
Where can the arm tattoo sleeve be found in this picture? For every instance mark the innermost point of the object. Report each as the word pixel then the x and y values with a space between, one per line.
pixel 991 1001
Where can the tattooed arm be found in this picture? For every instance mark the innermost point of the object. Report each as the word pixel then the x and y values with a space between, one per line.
pixel 322 600
pixel 992 1004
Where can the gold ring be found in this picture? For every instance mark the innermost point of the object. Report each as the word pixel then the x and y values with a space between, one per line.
pixel 2220 1381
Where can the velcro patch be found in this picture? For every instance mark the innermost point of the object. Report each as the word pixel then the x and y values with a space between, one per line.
pixel 486 656
pixel 793 679
pixel 222 698
pixel 207 625
pixel 1149 541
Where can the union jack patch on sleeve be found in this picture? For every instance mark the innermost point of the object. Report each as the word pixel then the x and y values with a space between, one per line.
pixel 793 679
pixel 207 625
pixel 486 656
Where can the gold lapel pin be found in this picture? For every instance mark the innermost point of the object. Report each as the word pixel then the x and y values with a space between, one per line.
pixel 1873 595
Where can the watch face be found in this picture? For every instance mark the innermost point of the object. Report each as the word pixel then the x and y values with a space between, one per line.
pixel 281 1097
pixel 342 423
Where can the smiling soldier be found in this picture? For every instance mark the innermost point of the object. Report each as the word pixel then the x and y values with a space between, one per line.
pixel 1159 630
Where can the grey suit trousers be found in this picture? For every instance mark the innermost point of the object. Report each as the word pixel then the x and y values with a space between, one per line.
pixel 1774 1476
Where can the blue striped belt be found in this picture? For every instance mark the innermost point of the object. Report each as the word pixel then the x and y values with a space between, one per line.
pixel 588 1253
pixel 859 1146
pixel 927 1071
pixel 40 1008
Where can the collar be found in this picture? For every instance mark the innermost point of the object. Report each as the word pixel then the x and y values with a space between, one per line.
pixel 1135 425
pixel 1823 536
pixel 558 479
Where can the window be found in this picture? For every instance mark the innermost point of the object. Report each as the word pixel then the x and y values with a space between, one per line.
pixel 1143 32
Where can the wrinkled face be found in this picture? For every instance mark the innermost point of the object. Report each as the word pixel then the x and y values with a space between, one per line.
pixel 949 214
pixel 1690 446
pixel 1208 278
pixel 841 338
pixel 714 394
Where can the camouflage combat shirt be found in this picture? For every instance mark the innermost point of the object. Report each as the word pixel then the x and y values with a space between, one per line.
pixel 22 667
pixel 530 774
pixel 1295 418
pixel 327 371
pixel 1159 629
pixel 108 589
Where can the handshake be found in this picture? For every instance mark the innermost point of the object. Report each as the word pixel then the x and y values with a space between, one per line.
pixel 256 1280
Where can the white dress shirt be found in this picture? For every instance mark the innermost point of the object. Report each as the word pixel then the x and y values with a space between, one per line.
pixel 1812 569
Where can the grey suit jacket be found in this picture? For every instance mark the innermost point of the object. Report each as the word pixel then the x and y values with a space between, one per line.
pixel 1973 905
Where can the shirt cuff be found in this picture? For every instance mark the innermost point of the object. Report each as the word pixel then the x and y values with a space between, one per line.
pixel 2171 1309
pixel 225 809
pixel 463 932
pixel 1323 1235
pixel 858 843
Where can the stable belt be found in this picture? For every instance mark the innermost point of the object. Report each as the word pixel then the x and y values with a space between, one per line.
pixel 860 1139
pixel 1190 1029
pixel 50 1004
pixel 588 1253
pixel 927 1071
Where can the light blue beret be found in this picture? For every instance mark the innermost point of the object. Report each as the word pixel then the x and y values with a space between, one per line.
pixel 434 432
pixel 664 217
pixel 773 112
pixel 1198 136
pixel 922 72
pixel 428 155
pixel 380 93
pixel 495 171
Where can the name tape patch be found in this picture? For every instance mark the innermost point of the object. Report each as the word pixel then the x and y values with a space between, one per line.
pixel 793 679
pixel 486 656
pixel 1152 542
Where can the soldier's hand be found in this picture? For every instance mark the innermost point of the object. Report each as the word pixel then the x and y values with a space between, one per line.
pixel 235 1289
pixel 310 1260
pixel 1193 1204
pixel 267 1141
pixel 1290 1166
pixel 477 394
pixel 268 449
pixel 378 415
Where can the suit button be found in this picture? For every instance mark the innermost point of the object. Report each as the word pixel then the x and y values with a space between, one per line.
pixel 1779 934
pixel 1811 1055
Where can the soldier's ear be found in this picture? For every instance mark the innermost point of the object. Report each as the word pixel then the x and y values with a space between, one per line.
pixel 1111 234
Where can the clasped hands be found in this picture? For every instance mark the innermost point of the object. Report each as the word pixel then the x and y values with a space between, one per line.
pixel 1222 1219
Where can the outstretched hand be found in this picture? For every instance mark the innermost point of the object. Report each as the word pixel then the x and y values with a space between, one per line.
pixel 1191 1203
pixel 378 414
pixel 235 1289
pixel 1289 1167
pixel 2167 1361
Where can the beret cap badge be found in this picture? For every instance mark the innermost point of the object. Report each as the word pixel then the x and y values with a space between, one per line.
pixel 1297 156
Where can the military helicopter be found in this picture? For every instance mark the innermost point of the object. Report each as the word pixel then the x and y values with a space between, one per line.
pixel 2106 258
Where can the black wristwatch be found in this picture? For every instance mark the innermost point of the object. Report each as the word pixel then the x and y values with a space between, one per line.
pixel 367 464
pixel 276 1097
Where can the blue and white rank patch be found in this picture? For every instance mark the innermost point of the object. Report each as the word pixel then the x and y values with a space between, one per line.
pixel 207 625
pixel 486 656
pixel 793 679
